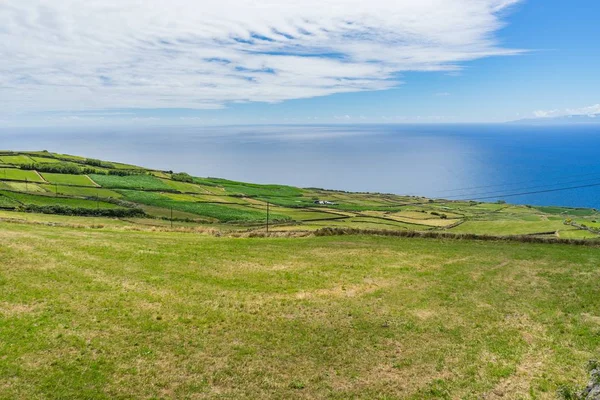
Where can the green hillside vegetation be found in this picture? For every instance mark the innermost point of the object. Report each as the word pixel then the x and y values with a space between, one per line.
pixel 12 174
pixel 49 200
pixel 210 201
pixel 68 179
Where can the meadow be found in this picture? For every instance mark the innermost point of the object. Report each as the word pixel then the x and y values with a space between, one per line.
pixel 68 179
pixel 49 200
pixel 110 313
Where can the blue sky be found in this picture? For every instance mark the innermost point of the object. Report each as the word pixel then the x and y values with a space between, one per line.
pixel 182 62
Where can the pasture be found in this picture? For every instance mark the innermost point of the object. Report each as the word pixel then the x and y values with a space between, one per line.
pixel 50 200
pixel 127 314
pixel 68 179
pixel 135 182
pixel 13 174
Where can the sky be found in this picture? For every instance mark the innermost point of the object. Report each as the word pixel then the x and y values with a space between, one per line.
pixel 228 62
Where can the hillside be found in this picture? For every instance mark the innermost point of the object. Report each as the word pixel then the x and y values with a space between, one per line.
pixel 49 183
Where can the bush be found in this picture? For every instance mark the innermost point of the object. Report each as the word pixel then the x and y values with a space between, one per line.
pixel 56 168
pixel 85 212
pixel 98 163
pixel 182 177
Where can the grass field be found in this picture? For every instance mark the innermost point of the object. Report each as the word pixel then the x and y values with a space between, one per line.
pixel 68 179
pixel 13 174
pixel 23 187
pixel 220 212
pixel 48 200
pixel 146 182
pixel 171 315
pixel 17 159
pixel 79 191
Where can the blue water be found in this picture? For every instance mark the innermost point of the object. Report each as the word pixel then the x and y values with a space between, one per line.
pixel 451 161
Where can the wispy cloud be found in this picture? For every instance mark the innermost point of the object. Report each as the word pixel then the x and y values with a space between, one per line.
pixel 104 54
pixel 589 111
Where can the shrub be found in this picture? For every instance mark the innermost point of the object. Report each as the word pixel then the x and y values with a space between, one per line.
pixel 56 168
pixel 98 163
pixel 86 212
pixel 182 177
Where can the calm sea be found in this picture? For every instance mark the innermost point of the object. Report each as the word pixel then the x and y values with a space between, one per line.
pixel 487 162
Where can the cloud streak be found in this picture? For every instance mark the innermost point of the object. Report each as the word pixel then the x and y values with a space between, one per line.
pixel 591 111
pixel 103 54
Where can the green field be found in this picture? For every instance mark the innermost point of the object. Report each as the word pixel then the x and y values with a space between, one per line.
pixel 17 159
pixel 13 174
pixel 135 182
pixel 79 191
pixel 224 213
pixel 68 179
pixel 49 200
pixel 126 314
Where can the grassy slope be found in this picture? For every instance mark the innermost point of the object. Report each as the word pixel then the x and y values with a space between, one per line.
pixel 166 315
pixel 48 200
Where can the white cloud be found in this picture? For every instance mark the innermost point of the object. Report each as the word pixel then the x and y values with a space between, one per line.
pixel 591 111
pixel 97 54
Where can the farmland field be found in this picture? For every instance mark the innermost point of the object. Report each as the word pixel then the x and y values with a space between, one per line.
pixel 23 187
pixel 13 174
pixel 17 160
pixel 68 179
pixel 186 316
pixel 146 182
pixel 80 191
pixel 220 212
pixel 48 200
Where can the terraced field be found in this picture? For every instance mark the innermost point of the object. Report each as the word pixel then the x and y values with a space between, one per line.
pixel 68 179
pixel 211 201
pixel 13 174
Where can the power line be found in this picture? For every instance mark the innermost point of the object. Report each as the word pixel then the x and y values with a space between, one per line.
pixel 537 192
pixel 522 188
pixel 597 174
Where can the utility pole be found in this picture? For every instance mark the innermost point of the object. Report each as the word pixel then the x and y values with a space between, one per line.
pixel 171 217
pixel 267 217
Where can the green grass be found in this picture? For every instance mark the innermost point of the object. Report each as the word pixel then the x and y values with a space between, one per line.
pixel 102 314
pixel 136 182
pixel 185 187
pixel 49 200
pixel 23 187
pixel 13 174
pixel 7 202
pixel 249 189
pixel 68 179
pixel 220 212
pixel 46 160
pixel 78 191
pixel 16 160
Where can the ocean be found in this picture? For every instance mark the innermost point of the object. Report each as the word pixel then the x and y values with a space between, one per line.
pixel 518 164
